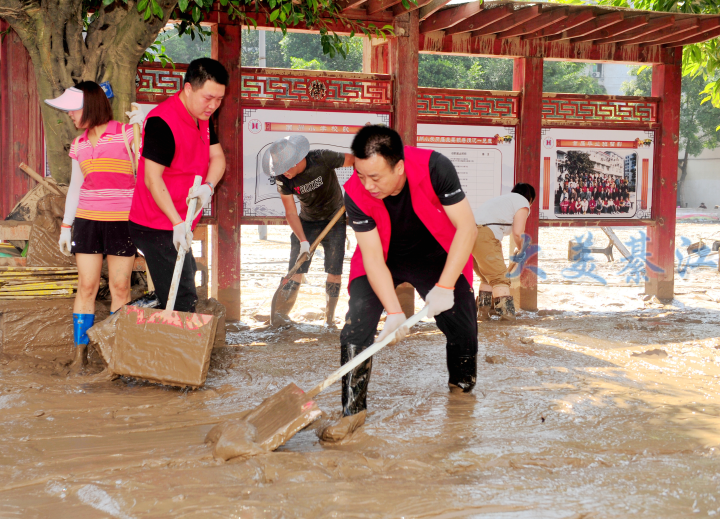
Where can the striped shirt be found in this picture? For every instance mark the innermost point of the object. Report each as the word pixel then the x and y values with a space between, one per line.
pixel 107 190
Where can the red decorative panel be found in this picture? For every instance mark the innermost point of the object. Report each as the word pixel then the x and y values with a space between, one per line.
pixel 155 84
pixel 467 103
pixel 291 89
pixel 568 109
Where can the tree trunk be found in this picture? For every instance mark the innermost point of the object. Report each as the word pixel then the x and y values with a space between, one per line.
pixel 52 32
pixel 681 179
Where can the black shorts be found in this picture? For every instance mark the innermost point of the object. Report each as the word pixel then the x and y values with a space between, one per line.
pixel 107 238
pixel 333 245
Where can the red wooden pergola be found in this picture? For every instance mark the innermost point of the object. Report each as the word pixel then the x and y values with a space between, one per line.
pixel 528 33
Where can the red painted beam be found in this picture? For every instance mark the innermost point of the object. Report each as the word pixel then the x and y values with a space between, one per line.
pixel 652 26
pixel 449 17
pixel 571 21
pixel 375 6
pixel 589 27
pixel 481 19
pixel 679 29
pixel 528 78
pixel 350 4
pixel 666 81
pixel 431 8
pixel 230 189
pixel 519 17
pixel 702 26
pixel 544 20
pixel 399 9
pixel 707 35
pixel 404 55
pixel 615 29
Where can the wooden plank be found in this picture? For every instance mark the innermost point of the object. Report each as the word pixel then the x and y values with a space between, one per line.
pixel 528 77
pixel 699 38
pixel 571 21
pixel 14 230
pixel 481 19
pixel 399 9
pixel 431 8
pixel 375 6
pixel 350 4
pixel 544 20
pixel 449 17
pixel 679 28
pixel 702 26
pixel 615 29
pixel 666 83
pixel 589 27
pixel 653 25
pixel 519 17
pixel 230 189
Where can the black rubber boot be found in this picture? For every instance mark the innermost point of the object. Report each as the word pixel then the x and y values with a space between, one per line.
pixel 332 294
pixel 484 305
pixel 287 297
pixel 505 308
pixel 354 384
pixel 463 373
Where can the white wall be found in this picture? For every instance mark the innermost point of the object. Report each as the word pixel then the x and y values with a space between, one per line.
pixel 702 183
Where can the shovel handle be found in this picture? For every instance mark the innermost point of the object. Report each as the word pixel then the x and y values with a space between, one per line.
pixel 136 141
pixel 366 354
pixel 304 257
pixel 37 178
pixel 189 217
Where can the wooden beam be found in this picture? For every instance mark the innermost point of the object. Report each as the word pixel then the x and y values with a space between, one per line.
pixel 481 19
pixel 404 68
pixel 698 38
pixel 617 28
pixel 589 27
pixel 702 26
pixel 449 17
pixel 571 21
pixel 652 26
pixel 666 83
pixel 519 17
pixel 399 9
pixel 679 29
pixel 544 20
pixel 350 4
pixel 431 8
pixel 375 6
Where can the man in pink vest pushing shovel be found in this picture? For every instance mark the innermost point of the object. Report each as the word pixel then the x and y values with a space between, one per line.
pixel 178 143
pixel 413 224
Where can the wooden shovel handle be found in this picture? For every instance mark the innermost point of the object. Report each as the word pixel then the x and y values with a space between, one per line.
pixel 37 178
pixel 136 140
pixel 304 257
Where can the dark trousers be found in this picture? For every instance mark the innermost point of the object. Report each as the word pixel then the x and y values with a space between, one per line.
pixel 459 324
pixel 160 255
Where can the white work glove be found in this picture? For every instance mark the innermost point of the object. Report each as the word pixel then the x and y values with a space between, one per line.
pixel 136 116
pixel 439 299
pixel 181 238
pixel 304 248
pixel 65 241
pixel 394 322
pixel 203 194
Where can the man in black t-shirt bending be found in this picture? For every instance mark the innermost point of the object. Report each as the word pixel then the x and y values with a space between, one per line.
pixel 413 224
pixel 310 177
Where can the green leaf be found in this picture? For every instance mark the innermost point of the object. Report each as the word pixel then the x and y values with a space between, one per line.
pixel 274 15
pixel 105 3
pixel 183 5
pixel 148 14
pixel 142 5
pixel 196 14
pixel 157 10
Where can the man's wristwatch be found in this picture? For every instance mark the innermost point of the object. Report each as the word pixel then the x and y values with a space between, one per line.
pixel 212 186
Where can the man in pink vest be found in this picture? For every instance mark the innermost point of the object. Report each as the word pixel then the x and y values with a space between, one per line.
pixel 178 143
pixel 413 224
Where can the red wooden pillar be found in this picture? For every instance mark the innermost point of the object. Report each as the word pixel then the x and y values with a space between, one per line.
pixel 230 190
pixel 375 57
pixel 528 79
pixel 404 51
pixel 21 137
pixel 661 238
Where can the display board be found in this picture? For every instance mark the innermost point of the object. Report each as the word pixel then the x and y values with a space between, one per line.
pixel 484 156
pixel 324 130
pixel 594 174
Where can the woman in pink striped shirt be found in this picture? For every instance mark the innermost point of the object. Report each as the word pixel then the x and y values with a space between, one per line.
pixel 98 202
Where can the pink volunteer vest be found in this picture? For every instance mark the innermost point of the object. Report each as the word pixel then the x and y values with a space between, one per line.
pixel 424 200
pixel 192 156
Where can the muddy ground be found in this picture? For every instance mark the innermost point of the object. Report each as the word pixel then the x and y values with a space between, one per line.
pixel 571 418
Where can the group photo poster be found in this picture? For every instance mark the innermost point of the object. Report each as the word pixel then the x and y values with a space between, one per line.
pixel 484 156
pixel 325 130
pixel 588 173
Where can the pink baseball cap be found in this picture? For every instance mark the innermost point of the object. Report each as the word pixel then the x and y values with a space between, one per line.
pixel 71 99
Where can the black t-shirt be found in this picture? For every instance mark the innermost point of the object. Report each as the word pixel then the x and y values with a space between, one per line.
pixel 317 188
pixel 410 240
pixel 159 141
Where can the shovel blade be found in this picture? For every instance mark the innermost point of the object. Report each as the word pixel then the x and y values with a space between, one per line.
pixel 280 416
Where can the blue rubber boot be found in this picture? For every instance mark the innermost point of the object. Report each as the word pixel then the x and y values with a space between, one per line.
pixel 81 324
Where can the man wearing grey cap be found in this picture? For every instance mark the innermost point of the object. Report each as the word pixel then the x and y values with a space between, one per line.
pixel 310 176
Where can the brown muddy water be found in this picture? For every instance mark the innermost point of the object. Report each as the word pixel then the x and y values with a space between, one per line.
pixel 570 418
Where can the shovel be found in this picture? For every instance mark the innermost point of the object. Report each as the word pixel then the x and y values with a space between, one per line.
pixel 279 417
pixel 302 259
pixel 164 346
